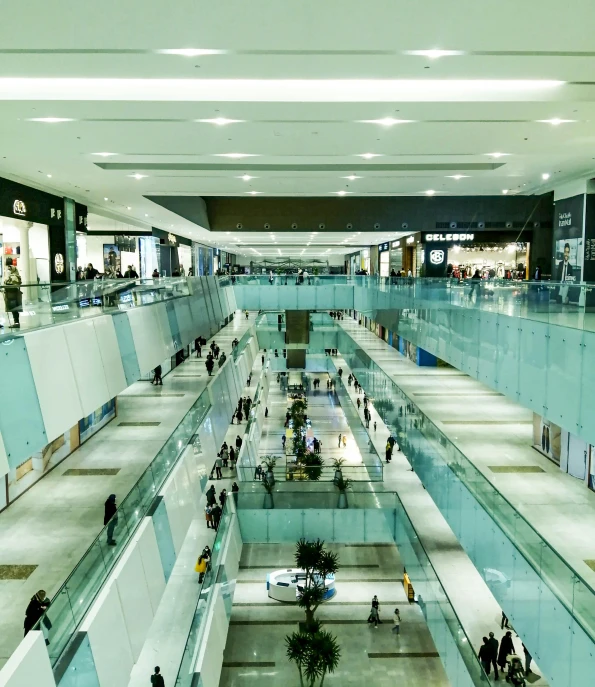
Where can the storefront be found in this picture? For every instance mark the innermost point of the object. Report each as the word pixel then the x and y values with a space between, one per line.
pixel 405 255
pixel 495 254
pixel 356 263
pixel 384 259
pixel 32 239
pixel 173 253
pixel 110 246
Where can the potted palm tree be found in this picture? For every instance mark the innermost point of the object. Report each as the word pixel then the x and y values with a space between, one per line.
pixel 268 497
pixel 343 485
pixel 338 464
pixel 314 653
pixel 270 462
pixel 317 563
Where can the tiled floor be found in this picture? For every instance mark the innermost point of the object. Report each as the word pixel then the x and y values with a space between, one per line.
pixel 255 650
pixel 52 524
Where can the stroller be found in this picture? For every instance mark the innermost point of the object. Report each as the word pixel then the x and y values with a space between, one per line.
pixel 516 674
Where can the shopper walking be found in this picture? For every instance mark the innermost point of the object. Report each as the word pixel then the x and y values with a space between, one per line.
pixel 374 425
pixel 218 464
pixel 37 606
pixel 157 376
pixel 216 516
pixel 238 443
pixel 110 518
pixel 504 621
pixel 396 622
pixel 239 417
pixel 359 404
pixel 485 655
pixel 210 364
pixel 211 495
pixel 157 678
pixel 340 439
pixel 376 605
pixel 373 617
pixel 493 644
pixel 506 648
pixel 209 515
pixel 388 452
pixel 201 568
pixel 197 347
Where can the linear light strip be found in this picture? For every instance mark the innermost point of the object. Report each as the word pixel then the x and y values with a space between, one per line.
pixel 273 90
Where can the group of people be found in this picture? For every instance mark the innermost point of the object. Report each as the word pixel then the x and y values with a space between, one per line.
pixel 336 314
pixel 91 273
pixel 243 410
pixel 391 442
pixel 199 342
pixel 374 616
pixel 356 385
pixel 497 655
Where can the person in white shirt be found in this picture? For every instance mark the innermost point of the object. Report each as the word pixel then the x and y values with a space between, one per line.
pixel 397 621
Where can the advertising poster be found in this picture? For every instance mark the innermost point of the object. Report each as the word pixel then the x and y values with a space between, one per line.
pixel 547 438
pixel 111 260
pixel 569 246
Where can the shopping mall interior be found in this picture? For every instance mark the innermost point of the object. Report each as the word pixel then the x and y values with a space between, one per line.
pixel 296 315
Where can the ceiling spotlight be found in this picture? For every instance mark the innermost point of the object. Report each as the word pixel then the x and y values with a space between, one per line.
pixel 128 207
pixel 369 156
pixel 191 52
pixel 457 176
pixel 545 176
pixel 497 155
pixel 504 191
pixel 435 53
pixel 254 193
pixel 220 121
pixel 341 193
pixel 430 192
pixel 104 154
pixel 235 156
pixel 352 177
pixel 146 214
pixel 246 177
pixel 50 120
pixel 555 121
pixel 137 176
pixel 386 121
pixel 106 199
pixel 49 176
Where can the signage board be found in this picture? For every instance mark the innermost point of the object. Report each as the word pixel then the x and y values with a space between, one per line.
pixel 24 202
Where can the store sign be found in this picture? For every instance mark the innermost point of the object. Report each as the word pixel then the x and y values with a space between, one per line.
pixel 438 238
pixel 437 257
pixel 383 247
pixel 19 208
pixel 172 238
pixel 410 239
pixel 59 263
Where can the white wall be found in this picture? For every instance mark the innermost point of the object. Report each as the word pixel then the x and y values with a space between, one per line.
pixel 29 665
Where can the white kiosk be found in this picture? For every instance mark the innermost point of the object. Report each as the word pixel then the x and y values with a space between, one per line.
pixel 285 585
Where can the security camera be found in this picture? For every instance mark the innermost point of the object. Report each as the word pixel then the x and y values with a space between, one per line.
pixel 377 225
pixel 294 226
pixel 322 226
pixel 536 225
pixel 481 225
pixel 405 225
pixel 453 225
pixel 239 225
pixel 509 225
pixel 349 226
pixel 267 225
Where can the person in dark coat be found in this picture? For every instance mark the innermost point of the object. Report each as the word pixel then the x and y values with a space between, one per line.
pixel 110 518
pixel 37 607
pixel 485 654
pixel 211 495
pixel 238 443
pixel 493 643
pixel 506 648
pixel 209 364
pixel 157 376
pixel 216 515
pixel 157 678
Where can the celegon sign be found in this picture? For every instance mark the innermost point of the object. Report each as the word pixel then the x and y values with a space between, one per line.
pixel 441 238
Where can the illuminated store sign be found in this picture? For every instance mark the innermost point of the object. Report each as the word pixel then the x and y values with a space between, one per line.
pixel 383 247
pixel 436 238
pixel 437 257
pixel 19 208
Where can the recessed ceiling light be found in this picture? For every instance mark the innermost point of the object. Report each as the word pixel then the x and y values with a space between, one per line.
pixel 235 156
pixel 545 176
pixel 49 176
pixel 386 121
pixel 191 52
pixel 497 155
pixel 146 214
pixel 435 53
pixel 430 192
pixel 457 176
pixel 246 177
pixel 504 191
pixel 228 232
pixel 369 156
pixel 220 121
pixel 104 154
pixel 340 193
pixel 555 121
pixel 128 207
pixel 254 193
pixel 352 177
pixel 137 176
pixel 50 120
pixel 106 199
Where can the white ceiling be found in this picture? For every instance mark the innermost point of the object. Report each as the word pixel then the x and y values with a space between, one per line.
pixel 100 65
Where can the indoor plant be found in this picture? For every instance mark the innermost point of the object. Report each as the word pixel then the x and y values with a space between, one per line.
pixel 338 464
pixel 315 654
pixel 343 485
pixel 317 563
